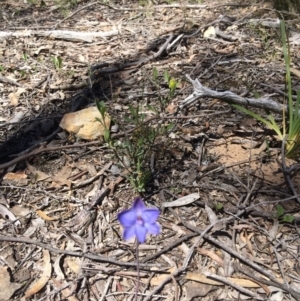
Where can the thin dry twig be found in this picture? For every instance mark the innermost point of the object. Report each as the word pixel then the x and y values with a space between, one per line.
pixel 71 253
pixel 234 285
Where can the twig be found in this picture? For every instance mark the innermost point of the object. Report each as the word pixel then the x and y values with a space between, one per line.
pixel 92 179
pixel 176 289
pixel 44 149
pixel 169 247
pixel 57 290
pixel 234 285
pixel 180 6
pixel 164 282
pixel 71 253
pixel 73 14
pixel 6 80
pixel 280 267
pixel 104 293
pixel 230 98
pixel 277 90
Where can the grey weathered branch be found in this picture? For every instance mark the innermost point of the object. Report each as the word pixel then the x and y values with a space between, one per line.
pixel 75 36
pixel 229 97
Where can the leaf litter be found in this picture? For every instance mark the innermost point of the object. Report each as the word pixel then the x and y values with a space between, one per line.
pixel 219 179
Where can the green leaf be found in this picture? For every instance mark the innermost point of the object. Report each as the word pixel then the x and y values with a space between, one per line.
pixel 219 206
pixel 153 109
pixel 169 126
pixel 166 76
pixel 59 60
pixel 279 211
pixel 106 135
pixel 101 107
pixel 134 112
pixel 271 124
pixel 288 218
pixel 154 74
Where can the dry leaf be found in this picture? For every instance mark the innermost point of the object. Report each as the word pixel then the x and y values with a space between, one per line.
pixel 202 278
pixel 40 283
pixel 73 264
pixel 18 178
pixel 194 289
pixel 57 268
pixel 14 96
pixel 63 175
pixel 38 175
pixel 44 216
pixel 212 255
pixel 188 199
pixel 295 71
pixel 66 292
pixel 7 288
pixel 171 108
pixel 159 279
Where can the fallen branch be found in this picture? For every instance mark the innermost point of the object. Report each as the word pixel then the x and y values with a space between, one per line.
pixel 74 36
pixel 91 256
pixel 230 98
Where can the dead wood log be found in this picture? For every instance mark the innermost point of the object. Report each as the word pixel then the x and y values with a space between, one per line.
pixel 200 91
pixel 74 36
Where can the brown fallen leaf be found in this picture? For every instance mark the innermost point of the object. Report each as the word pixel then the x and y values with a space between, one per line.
pixel 62 176
pixel 73 264
pixel 44 216
pixel 7 288
pixel 66 292
pixel 194 289
pixel 14 96
pixel 295 71
pixel 41 282
pixel 202 278
pixel 171 108
pixel 159 279
pixel 212 255
pixel 38 175
pixel 15 178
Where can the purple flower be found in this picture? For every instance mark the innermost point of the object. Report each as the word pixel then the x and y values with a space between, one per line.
pixel 139 220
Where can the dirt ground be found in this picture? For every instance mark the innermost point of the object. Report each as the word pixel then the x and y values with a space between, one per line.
pixel 218 175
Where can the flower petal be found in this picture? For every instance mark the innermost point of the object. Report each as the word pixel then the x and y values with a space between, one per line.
pixel 153 228
pixel 127 218
pixel 138 205
pixel 150 215
pixel 129 233
pixel 141 233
